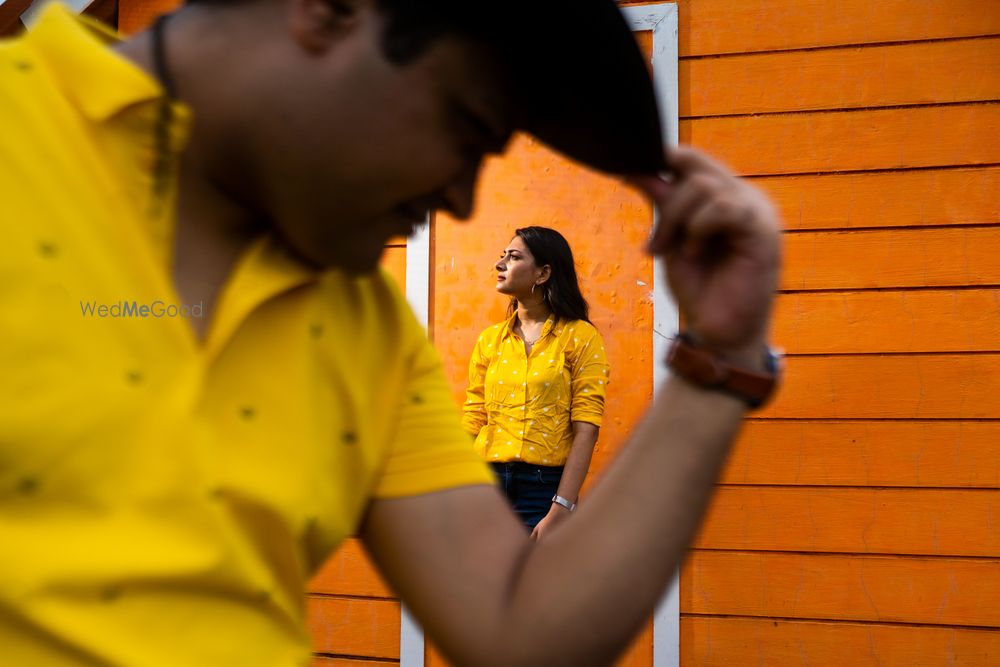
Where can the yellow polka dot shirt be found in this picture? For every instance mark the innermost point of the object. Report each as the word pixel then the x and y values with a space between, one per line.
pixel 522 407
pixel 163 500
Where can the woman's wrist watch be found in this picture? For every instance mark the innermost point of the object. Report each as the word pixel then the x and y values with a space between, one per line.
pixel 559 500
pixel 707 369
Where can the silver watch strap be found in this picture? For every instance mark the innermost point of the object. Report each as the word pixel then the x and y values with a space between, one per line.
pixel 559 500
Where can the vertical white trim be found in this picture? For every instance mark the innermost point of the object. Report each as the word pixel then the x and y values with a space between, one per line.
pixel 418 286
pixel 411 640
pixel 418 272
pixel 662 20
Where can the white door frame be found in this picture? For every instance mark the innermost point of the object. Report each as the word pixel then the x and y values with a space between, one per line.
pixel 661 19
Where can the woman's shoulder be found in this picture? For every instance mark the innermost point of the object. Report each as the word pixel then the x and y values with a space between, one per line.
pixel 579 328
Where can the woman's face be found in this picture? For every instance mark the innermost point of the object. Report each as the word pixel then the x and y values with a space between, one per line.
pixel 517 272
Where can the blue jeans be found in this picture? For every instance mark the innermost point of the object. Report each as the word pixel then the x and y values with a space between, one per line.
pixel 529 488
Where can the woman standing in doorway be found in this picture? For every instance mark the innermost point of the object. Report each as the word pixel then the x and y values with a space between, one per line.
pixel 537 381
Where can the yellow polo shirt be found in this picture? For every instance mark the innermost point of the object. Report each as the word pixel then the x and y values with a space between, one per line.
pixel 521 407
pixel 164 500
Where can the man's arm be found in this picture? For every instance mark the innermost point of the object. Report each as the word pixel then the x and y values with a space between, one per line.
pixel 460 559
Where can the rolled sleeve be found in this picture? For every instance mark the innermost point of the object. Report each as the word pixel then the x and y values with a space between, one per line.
pixel 474 408
pixel 590 374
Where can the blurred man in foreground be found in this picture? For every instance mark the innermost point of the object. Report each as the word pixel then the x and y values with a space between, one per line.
pixel 207 386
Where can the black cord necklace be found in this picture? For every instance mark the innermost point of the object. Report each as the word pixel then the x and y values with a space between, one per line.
pixel 165 112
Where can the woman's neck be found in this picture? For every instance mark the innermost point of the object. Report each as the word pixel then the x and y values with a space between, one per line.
pixel 531 313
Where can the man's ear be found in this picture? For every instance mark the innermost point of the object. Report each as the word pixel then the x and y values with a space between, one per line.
pixel 317 24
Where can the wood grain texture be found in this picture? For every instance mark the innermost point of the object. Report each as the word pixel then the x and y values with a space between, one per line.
pixel 847 78
pixel 930 522
pixel 724 642
pixel 324 661
pixel 886 199
pixel 354 627
pixel 349 571
pixel 830 141
pixel 738 26
pixel 866 453
pixel 940 591
pixel 890 387
pixel 939 257
pixel 890 321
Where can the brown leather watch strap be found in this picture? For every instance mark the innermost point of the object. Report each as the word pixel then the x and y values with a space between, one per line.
pixel 705 368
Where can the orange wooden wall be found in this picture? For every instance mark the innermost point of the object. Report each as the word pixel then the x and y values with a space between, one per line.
pixel 855 521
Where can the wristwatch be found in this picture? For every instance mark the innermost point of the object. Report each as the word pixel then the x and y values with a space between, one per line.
pixel 559 500
pixel 703 367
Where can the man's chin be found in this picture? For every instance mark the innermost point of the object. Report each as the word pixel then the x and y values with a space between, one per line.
pixel 353 260
pixel 357 263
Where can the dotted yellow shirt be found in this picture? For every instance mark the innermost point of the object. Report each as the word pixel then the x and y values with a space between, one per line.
pixel 163 500
pixel 521 407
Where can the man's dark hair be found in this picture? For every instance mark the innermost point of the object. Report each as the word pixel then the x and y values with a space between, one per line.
pixel 412 26
pixel 562 290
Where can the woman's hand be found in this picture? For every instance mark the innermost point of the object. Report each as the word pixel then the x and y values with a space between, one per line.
pixel 721 241
pixel 557 514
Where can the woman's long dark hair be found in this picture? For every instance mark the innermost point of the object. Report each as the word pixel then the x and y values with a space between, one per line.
pixel 562 290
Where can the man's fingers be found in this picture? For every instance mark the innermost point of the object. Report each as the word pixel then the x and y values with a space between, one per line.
pixel 655 187
pixel 684 160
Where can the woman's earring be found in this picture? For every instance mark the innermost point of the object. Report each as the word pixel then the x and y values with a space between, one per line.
pixel 533 289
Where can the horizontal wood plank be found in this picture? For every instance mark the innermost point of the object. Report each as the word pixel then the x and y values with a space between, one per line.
pixel 355 627
pixel 710 27
pixel 891 387
pixel 858 588
pixel 324 661
pixel 866 453
pixel 349 571
pixel 829 141
pixel 937 257
pixel 886 199
pixel 931 522
pixel 724 642
pixel 888 321
pixel 847 78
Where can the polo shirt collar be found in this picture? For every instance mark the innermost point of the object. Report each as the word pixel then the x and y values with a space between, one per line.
pixel 97 80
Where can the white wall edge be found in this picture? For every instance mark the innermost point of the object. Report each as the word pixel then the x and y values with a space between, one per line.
pixel 418 272
pixel 418 285
pixel 411 640
pixel 662 20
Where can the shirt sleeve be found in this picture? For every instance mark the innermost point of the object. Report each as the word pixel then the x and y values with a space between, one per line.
pixel 429 450
pixel 590 374
pixel 474 408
